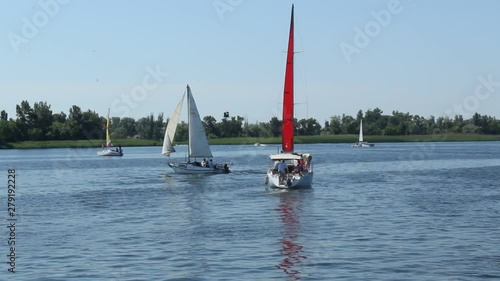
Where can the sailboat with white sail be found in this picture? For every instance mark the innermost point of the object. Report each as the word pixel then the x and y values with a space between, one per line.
pixel 107 149
pixel 360 142
pixel 290 169
pixel 198 147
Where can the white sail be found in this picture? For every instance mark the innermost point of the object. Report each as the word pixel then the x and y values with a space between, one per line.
pixel 168 140
pixel 361 131
pixel 198 143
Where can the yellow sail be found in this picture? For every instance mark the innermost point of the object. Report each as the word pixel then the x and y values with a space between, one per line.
pixel 108 138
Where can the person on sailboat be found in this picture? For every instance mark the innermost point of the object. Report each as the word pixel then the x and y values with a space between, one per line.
pixel 210 164
pixel 204 162
pixel 276 164
pixel 298 169
pixel 282 169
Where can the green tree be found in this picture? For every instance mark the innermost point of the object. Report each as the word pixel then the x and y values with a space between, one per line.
pixel 275 126
pixel 210 124
pixel 59 117
pixel 146 127
pixel 91 125
pixel 471 129
pixel 230 128
pixel 119 133
pixel 266 131
pixel 182 132
pixel 374 121
pixel 74 123
pixel 129 125
pixel 334 126
pixel 253 130
pixel 431 125
pixel 159 128
pixel 308 127
pixel 372 116
pixel 489 125
pixel 24 121
pixel 4 115
pixel 359 116
pixel 115 123
pixel 42 120
pixel 418 125
pixel 458 124
pixel 59 131
pixel 349 125
pixel 8 131
pixel 476 119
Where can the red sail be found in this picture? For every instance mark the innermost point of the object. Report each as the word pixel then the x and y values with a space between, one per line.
pixel 287 126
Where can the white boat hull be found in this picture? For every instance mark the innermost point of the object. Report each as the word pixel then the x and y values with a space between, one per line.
pixel 191 168
pixel 291 180
pixel 363 144
pixel 109 152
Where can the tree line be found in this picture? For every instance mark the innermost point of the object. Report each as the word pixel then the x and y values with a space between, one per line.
pixel 39 122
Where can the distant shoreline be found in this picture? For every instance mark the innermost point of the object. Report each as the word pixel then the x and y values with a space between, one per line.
pixel 251 141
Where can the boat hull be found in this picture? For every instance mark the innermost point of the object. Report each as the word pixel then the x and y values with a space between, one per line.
pixel 291 180
pixel 364 144
pixel 191 168
pixel 108 152
pixel 295 169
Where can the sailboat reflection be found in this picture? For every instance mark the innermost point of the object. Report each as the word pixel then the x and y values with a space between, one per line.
pixel 290 248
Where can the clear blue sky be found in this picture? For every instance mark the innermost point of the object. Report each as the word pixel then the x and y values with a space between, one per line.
pixel 425 60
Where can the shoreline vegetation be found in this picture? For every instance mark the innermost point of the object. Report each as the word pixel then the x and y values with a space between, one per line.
pixel 251 141
pixel 38 126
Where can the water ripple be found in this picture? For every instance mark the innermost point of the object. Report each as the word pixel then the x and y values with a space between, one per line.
pixel 375 214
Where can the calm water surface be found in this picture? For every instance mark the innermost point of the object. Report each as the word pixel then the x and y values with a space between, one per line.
pixel 412 211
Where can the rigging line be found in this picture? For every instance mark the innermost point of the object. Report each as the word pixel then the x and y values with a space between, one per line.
pixel 304 69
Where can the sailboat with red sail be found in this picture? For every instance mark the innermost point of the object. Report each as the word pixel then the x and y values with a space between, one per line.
pixel 290 169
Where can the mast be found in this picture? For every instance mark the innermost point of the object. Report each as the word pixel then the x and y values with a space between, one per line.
pixel 190 137
pixel 108 138
pixel 287 125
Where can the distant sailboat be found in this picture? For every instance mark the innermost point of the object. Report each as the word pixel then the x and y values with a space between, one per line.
pixel 106 149
pixel 197 142
pixel 360 142
pixel 290 169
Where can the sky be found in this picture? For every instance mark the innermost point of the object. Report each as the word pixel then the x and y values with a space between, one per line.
pixel 136 57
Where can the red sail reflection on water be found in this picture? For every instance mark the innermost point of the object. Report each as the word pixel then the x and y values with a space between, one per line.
pixel 290 248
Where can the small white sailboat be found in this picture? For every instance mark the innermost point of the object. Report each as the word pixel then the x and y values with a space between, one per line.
pixel 198 147
pixel 107 149
pixel 290 169
pixel 360 142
